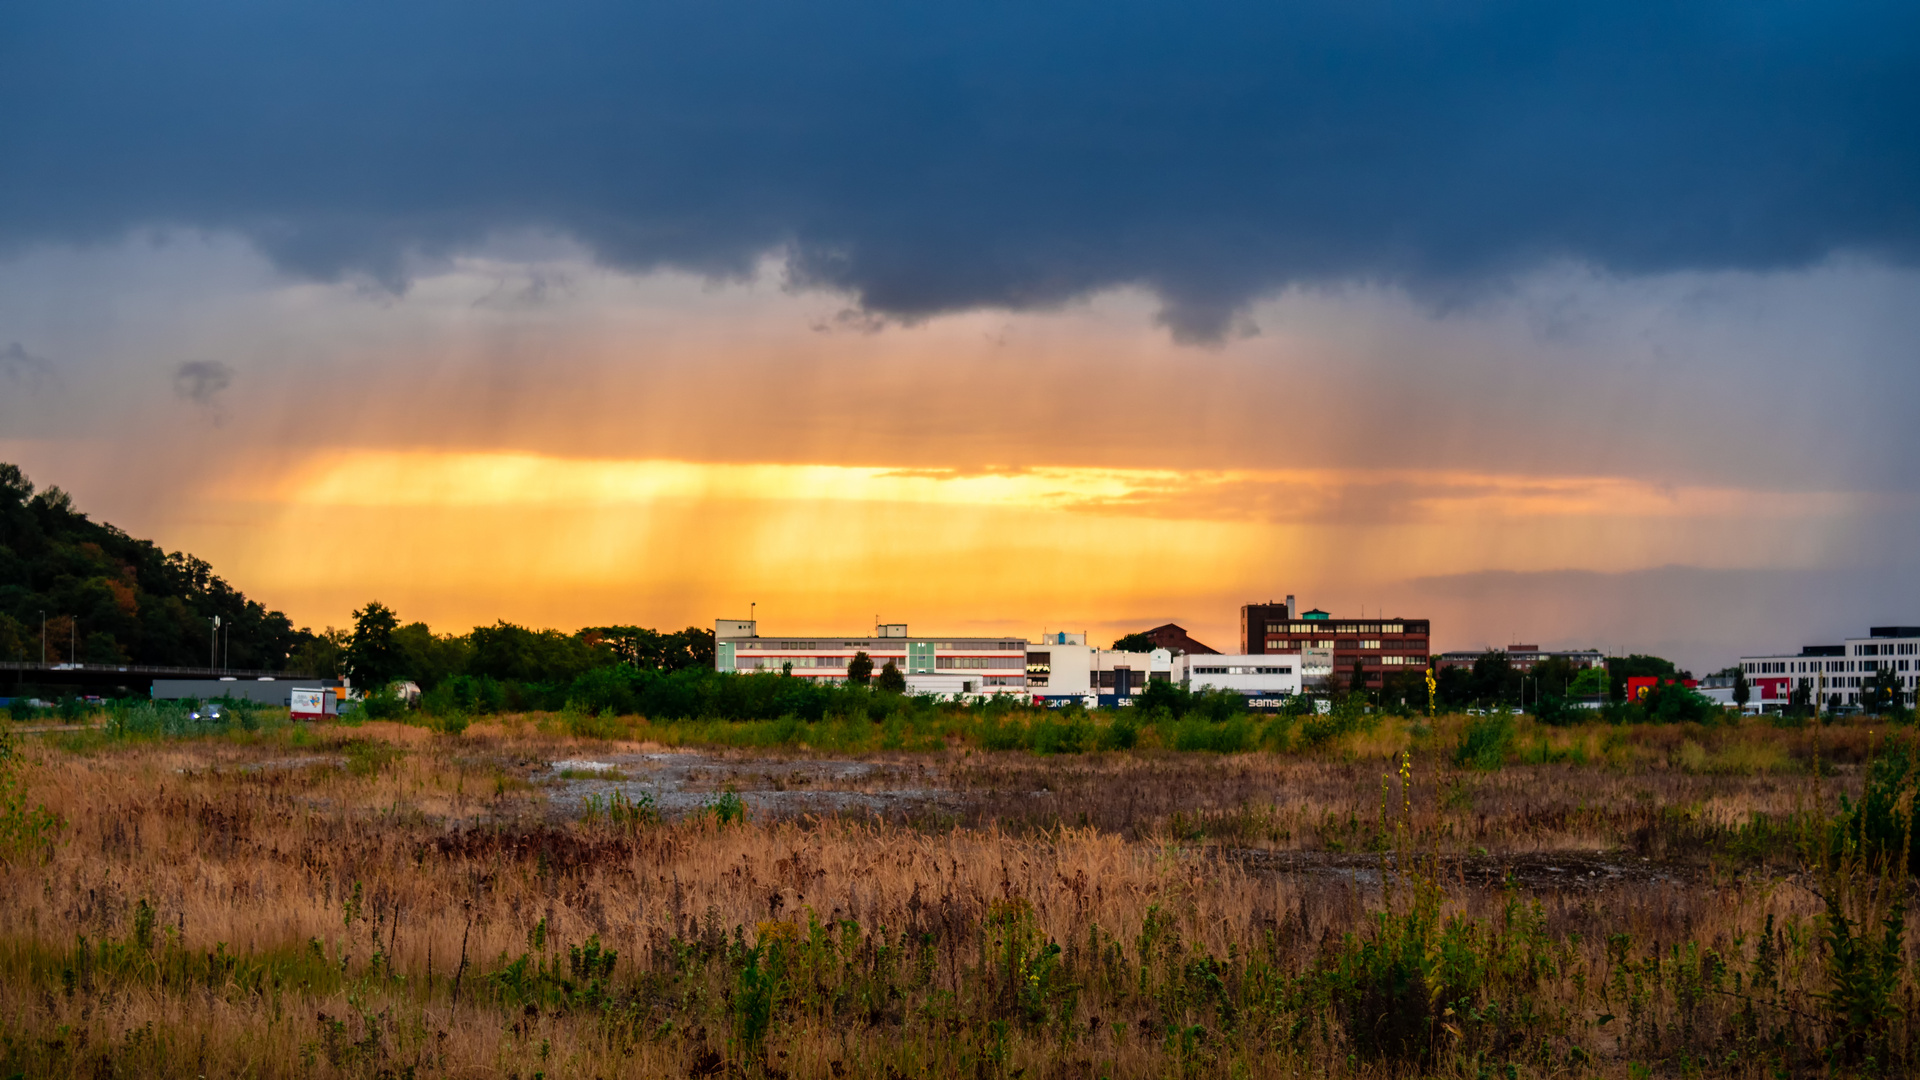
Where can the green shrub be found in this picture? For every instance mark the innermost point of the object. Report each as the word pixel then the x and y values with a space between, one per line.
pixel 728 809
pixel 623 813
pixel 1122 734
pixel 479 695
pixel 1881 823
pixel 1672 703
pixel 998 733
pixel 1231 737
pixel 383 704
pixel 144 719
pixel 601 725
pixel 1345 716
pixel 1416 982
pixel 368 757
pixel 1485 743
pixel 1557 711
pixel 1048 736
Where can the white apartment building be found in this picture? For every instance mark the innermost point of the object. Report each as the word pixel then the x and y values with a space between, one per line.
pixel 1826 670
pixel 1267 679
pixel 947 666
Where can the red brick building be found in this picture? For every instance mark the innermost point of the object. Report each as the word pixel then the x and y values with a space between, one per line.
pixel 1382 646
pixel 1175 638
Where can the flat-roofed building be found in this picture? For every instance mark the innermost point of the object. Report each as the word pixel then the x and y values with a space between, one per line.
pixel 1063 668
pixel 1824 671
pixel 1382 646
pixel 1266 679
pixel 1523 657
pixel 951 666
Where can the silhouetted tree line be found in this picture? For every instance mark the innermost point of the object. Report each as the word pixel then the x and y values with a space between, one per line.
pixel 111 599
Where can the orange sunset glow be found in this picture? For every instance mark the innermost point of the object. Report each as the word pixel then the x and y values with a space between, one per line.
pixel 659 451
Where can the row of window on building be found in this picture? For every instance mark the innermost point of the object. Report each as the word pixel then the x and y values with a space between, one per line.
pixel 1061 669
pixel 1827 670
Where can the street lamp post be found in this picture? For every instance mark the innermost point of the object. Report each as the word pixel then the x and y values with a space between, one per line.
pixel 213 645
pixel 43 639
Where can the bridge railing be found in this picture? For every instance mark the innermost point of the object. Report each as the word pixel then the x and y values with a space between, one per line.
pixel 151 671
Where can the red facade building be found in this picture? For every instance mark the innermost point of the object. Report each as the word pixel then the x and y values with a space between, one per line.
pixel 1174 638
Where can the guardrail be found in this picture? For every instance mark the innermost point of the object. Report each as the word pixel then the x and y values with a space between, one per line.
pixel 151 670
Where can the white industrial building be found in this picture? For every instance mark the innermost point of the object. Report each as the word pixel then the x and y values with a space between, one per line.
pixel 947 666
pixel 1062 669
pixel 1267 679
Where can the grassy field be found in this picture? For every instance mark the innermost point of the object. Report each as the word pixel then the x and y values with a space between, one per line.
pixel 1470 897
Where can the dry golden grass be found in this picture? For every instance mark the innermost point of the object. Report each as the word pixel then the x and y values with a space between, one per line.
pixel 353 906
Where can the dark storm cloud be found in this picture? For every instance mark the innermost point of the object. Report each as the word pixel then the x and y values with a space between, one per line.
pixel 200 381
pixel 932 157
pixel 24 370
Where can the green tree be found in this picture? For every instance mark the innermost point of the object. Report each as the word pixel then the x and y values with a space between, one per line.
pixel 1622 668
pixel 1742 691
pixel 513 653
pixel 1675 703
pixel 890 679
pixel 323 655
pixel 653 650
pixel 13 638
pixel 1357 678
pixel 1554 675
pixel 1455 689
pixel 1494 680
pixel 154 605
pixel 1134 642
pixel 1881 694
pixel 1407 686
pixel 860 669
pixel 373 659
pixel 1800 698
pixel 1589 683
pixel 429 658
pixel 101 648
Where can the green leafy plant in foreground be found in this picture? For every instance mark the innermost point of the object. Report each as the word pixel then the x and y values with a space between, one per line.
pixel 25 829
pixel 728 809
pixel 1862 877
pixel 620 812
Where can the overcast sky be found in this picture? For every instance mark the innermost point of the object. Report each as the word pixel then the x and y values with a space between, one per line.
pixel 1584 323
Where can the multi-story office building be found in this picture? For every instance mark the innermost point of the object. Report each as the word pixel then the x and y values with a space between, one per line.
pixel 1382 646
pixel 1826 670
pixel 949 666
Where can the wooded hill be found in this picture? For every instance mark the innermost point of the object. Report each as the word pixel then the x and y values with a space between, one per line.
pixel 117 599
